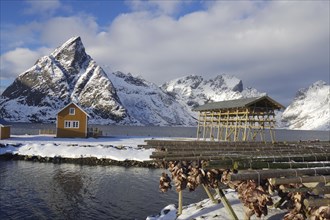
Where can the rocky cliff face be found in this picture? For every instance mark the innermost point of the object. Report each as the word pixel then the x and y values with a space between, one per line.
pixel 67 74
pixel 310 109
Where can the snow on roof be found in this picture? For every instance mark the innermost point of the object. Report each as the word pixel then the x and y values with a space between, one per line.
pixel 237 103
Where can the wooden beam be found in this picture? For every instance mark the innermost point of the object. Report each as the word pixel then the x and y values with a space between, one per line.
pixel 266 174
pixel 317 202
pixel 304 179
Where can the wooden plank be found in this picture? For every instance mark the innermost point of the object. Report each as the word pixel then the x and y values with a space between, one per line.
pixel 232 156
pixel 243 165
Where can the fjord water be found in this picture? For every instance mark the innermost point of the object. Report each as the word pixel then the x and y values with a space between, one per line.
pixel 33 190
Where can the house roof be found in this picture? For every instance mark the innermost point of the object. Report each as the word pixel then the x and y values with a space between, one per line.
pixel 76 106
pixel 240 103
pixel 4 123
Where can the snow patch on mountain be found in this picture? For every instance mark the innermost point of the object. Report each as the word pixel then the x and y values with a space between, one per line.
pixel 310 109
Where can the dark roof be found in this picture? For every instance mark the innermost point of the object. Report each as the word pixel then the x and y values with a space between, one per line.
pixel 238 103
pixel 3 122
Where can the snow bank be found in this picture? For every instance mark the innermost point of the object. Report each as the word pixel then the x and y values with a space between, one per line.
pixel 207 210
pixel 114 148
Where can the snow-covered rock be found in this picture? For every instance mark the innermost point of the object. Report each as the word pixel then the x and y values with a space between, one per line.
pixel 310 109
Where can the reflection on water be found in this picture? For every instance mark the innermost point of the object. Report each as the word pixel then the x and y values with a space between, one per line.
pixel 31 190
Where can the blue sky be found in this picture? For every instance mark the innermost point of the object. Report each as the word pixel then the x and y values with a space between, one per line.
pixel 276 47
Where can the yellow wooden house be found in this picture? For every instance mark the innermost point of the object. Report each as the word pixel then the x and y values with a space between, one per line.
pixel 72 122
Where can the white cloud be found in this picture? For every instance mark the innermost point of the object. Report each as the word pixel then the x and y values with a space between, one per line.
pixel 17 61
pixel 57 30
pixel 156 7
pixel 260 42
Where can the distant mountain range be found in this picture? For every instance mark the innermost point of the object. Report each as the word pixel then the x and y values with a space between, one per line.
pixel 69 74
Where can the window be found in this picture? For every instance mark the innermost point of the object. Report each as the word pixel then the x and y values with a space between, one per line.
pixel 71 124
pixel 71 111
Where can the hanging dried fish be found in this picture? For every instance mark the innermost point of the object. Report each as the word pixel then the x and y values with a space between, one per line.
pixel 164 182
pixel 320 213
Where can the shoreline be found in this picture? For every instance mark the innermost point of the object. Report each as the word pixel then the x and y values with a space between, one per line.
pixel 90 161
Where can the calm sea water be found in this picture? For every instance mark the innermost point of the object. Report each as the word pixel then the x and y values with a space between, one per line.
pixel 32 190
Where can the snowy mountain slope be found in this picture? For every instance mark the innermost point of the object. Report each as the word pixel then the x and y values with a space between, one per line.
pixel 310 109
pixel 147 103
pixel 192 91
pixel 67 74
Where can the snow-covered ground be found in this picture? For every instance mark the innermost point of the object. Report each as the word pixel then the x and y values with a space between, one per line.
pixel 115 148
pixel 207 210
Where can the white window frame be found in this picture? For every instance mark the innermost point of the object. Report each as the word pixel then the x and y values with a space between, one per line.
pixel 72 111
pixel 71 124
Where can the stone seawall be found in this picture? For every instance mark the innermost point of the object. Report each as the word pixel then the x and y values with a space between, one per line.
pixel 82 161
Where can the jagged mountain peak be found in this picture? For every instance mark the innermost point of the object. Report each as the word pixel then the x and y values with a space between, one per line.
pixel 73 44
pixel 67 74
pixel 310 108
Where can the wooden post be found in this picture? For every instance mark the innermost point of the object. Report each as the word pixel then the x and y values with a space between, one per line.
pixel 204 125
pixel 211 127
pixel 219 127
pixel 227 126
pixel 236 125
pixel 226 204
pixel 180 203
pixel 198 125
pixel 209 193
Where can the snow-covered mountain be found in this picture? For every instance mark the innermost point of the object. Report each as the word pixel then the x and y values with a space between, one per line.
pixel 67 74
pixel 70 74
pixel 192 91
pixel 147 103
pixel 310 109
